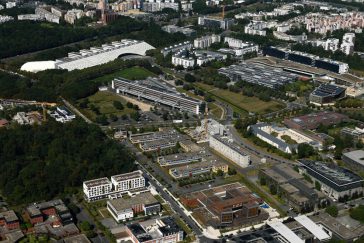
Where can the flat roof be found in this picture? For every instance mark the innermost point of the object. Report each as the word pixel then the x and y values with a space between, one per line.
pixel 356 155
pixel 285 232
pixel 128 176
pixel 97 182
pixel 316 230
pixel 145 198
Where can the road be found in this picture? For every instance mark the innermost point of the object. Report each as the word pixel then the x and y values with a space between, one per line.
pixel 75 110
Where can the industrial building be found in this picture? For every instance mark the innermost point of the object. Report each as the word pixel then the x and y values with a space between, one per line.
pixel 354 159
pixel 213 22
pixel 291 186
pixel 126 208
pixel 336 182
pixel 100 55
pixel 227 148
pixel 313 120
pixel 258 74
pixel 157 92
pixel 194 169
pixel 155 230
pixel 182 158
pixel 327 94
pixel 307 59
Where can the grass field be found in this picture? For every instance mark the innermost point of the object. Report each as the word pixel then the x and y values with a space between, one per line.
pixel 245 103
pixel 133 73
pixel 104 102
pixel 214 109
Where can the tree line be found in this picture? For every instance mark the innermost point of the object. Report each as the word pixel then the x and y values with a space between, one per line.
pixel 41 162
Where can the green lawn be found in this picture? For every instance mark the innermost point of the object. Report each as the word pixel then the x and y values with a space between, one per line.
pixel 104 102
pixel 133 73
pixel 248 104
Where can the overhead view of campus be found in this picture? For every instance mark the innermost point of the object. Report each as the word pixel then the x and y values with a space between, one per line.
pixel 192 121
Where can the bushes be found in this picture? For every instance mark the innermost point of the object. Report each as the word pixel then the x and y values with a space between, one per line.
pixel 332 210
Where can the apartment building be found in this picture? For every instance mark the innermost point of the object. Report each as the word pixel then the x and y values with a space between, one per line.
pixel 97 189
pixel 9 220
pixel 128 181
pixel 230 150
pixel 206 41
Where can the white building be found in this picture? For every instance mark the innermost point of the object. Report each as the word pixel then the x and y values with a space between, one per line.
pixel 206 41
pixel 100 55
pixel 72 15
pixel 347 45
pixel 230 150
pixel 10 4
pixel 32 17
pixel 182 59
pixel 256 28
pixel 128 181
pixel 97 189
pixel 62 114
pixel 5 18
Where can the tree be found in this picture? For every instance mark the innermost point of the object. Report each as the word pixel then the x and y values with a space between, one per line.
pixel 318 186
pixel 332 210
pixel 273 189
pixel 190 78
pixel 113 117
pixel 305 150
pixel 129 105
pixel 85 226
pixel 118 105
pixel 231 171
pixel 219 172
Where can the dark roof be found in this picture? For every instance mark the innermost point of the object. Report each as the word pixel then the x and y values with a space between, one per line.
pixel 336 177
pixel 170 227
pixel 325 90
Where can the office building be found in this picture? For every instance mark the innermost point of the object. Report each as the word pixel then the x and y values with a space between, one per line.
pixel 212 22
pixel 155 91
pixel 227 148
pixel 206 41
pixel 128 181
pixel 327 94
pixel 336 182
pixel 195 169
pixel 126 208
pixel 152 136
pixel 182 158
pixel 155 230
pixel 204 56
pixel 354 159
pixel 97 189
pixel 161 144
pixel 313 120
pixel 46 13
pixel 348 42
pixel 227 205
pixel 259 74
pixel 100 55
pixel 307 59
pixel 177 29
pixel 291 186
pixel 357 133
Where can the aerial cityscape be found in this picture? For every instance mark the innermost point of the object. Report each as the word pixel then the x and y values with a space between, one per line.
pixel 165 121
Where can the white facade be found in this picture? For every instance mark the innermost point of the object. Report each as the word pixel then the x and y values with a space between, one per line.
pixel 206 41
pixel 10 4
pixel 100 55
pixel 97 188
pixel 229 150
pixel 129 181
pixel 186 62
pixel 120 215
